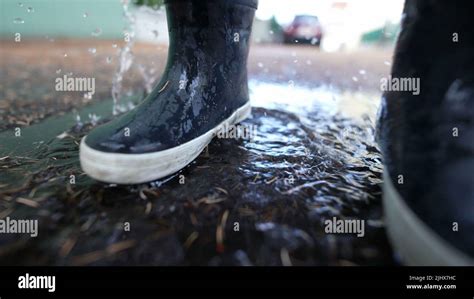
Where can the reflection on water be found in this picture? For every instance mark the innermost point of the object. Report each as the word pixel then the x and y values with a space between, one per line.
pixel 304 100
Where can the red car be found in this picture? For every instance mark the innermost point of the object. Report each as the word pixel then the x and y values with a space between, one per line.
pixel 304 29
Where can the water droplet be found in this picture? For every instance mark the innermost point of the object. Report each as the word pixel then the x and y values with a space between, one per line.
pixel 88 95
pixel 65 55
pixel 271 32
pixel 30 9
pixel 355 79
pixel 114 45
pixel 362 72
pixel 387 63
pixel 260 64
pixel 92 50
pixel 155 32
pixel 58 71
pixel 108 59
pixel 314 40
pixel 18 21
pixel 85 15
pixel 20 4
pixel 96 32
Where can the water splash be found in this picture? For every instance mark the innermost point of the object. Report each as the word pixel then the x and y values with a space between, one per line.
pixel 96 32
pixel 149 77
pixel 125 59
pixel 18 21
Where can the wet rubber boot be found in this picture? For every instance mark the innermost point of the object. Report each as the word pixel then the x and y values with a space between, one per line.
pixel 203 90
pixel 427 136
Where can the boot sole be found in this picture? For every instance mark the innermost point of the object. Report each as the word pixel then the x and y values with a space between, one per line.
pixel 127 169
pixel 416 243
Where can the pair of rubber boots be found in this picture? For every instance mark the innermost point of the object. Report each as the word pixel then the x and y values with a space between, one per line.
pixel 425 129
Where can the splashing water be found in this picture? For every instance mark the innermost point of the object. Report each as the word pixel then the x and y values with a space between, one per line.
pixel 125 59
pixel 18 21
pixel 148 72
pixel 97 32
pixel 149 77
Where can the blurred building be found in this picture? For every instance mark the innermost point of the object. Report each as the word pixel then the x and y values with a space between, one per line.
pixel 347 24
pixel 103 19
pixel 62 18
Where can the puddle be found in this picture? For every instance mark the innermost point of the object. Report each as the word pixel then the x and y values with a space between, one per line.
pixel 313 157
pixel 305 100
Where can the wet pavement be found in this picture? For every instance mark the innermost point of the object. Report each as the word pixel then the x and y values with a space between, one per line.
pixel 242 202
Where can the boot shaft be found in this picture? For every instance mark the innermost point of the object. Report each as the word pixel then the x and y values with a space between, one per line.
pixel 209 44
pixel 415 131
pixel 431 31
pixel 218 30
pixel 436 46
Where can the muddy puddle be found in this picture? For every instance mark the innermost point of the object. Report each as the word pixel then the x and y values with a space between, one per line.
pixel 242 202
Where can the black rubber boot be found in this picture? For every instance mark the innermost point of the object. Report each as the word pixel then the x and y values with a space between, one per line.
pixel 427 139
pixel 203 90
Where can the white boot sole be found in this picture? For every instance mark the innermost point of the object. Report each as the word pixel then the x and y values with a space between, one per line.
pixel 122 168
pixel 416 243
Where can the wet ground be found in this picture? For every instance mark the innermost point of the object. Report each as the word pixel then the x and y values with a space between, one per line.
pixel 242 202
pixel 27 76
